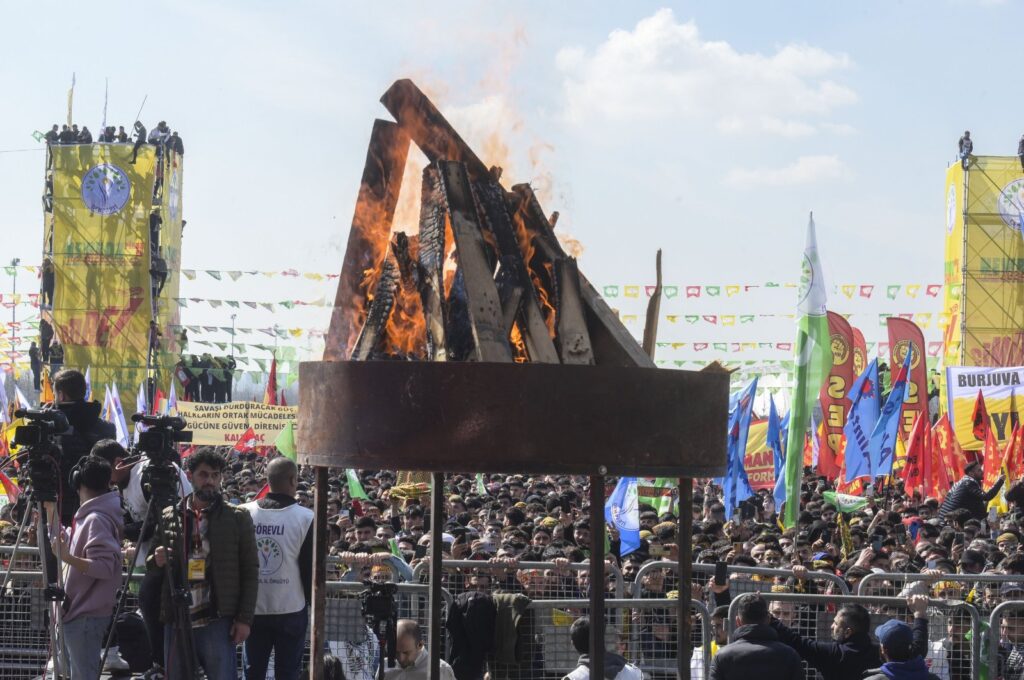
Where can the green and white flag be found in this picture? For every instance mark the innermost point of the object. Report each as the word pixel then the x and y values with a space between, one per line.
pixel 355 487
pixel 813 363
pixel 844 502
pixel 481 488
pixel 660 493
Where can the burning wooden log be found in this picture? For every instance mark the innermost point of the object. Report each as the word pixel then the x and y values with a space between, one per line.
pixel 612 343
pixel 380 309
pixel 515 273
pixel 368 237
pixel 482 301
pixel 653 311
pixel 433 218
pixel 573 337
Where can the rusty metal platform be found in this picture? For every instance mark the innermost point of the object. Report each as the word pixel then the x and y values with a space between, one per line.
pixel 519 418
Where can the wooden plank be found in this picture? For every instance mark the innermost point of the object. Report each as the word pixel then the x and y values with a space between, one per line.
pixel 538 341
pixel 484 305
pixel 321 539
pixel 380 309
pixel 368 235
pixel 653 311
pixel 613 344
pixel 573 339
pixel 511 302
pixel 433 134
pixel 433 218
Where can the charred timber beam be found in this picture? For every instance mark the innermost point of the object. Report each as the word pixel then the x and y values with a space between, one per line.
pixel 368 236
pixel 380 310
pixel 573 338
pixel 511 301
pixel 613 344
pixel 433 217
pixel 482 299
pixel 535 332
pixel 653 310
pixel 433 134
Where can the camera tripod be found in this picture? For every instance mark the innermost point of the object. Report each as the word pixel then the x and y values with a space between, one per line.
pixel 160 479
pixel 378 605
pixel 52 572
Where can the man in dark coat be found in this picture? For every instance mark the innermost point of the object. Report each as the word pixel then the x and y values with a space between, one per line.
pixel 754 649
pixel 903 659
pixel 850 654
pixel 968 494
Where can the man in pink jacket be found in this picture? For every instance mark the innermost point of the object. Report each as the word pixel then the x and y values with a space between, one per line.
pixel 93 563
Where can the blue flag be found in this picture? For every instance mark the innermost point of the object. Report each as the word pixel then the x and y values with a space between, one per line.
pixel 882 444
pixel 864 413
pixel 736 486
pixel 780 476
pixel 622 511
pixel 775 436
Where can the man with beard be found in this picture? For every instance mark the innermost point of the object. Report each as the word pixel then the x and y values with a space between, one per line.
pixel 215 553
pixel 850 654
pixel 87 428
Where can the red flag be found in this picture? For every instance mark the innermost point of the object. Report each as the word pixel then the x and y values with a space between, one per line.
pixel 156 401
pixel 10 488
pixel 860 352
pixel 188 451
pixel 270 396
pixel 242 445
pixel 1013 455
pixel 263 492
pixel 991 456
pixel 904 335
pixel 937 483
pixel 835 406
pixel 281 401
pixel 946 442
pixel 918 456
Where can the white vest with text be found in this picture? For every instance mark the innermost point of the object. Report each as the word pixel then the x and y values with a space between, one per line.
pixel 279 536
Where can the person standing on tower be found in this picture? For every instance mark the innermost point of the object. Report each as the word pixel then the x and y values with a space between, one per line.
pixel 140 139
pixel 1020 152
pixel 966 146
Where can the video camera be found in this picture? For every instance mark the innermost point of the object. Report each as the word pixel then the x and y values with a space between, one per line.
pixel 378 602
pixel 161 434
pixel 39 438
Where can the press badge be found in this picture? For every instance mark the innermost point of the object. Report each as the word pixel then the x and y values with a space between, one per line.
pixel 196 568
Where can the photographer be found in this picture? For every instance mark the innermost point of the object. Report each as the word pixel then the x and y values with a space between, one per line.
pixel 285 542
pixel 135 500
pixel 93 557
pixel 215 552
pixel 87 428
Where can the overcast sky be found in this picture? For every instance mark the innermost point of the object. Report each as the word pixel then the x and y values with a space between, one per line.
pixel 706 129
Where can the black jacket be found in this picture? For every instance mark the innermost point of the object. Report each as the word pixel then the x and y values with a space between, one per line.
pixel 470 627
pixel 845 660
pixel 87 428
pixel 756 652
pixel 967 494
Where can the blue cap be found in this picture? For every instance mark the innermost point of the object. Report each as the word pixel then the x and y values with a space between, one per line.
pixel 894 635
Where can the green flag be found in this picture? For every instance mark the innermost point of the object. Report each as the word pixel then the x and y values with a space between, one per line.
pixel 813 362
pixel 844 502
pixel 659 493
pixel 481 488
pixel 393 547
pixel 355 487
pixel 285 441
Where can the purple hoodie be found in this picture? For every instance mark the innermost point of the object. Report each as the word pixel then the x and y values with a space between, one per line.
pixel 98 527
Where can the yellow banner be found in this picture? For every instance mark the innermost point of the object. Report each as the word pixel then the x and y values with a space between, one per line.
pixel 100 238
pixel 224 424
pixel 1003 389
pixel 984 263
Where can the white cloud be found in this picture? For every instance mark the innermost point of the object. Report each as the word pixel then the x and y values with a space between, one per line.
pixel 805 170
pixel 664 70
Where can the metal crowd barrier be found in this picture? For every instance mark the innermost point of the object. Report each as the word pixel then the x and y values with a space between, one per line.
pixel 539 580
pixel 954 628
pixel 1005 644
pixel 643 631
pixel 744 584
pixel 986 597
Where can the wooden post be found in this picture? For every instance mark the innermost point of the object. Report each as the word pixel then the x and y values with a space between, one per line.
pixel 435 601
pixel 684 541
pixel 597 582
pixel 368 237
pixel 321 539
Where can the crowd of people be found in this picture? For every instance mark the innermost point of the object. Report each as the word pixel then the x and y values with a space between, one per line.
pixel 242 534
